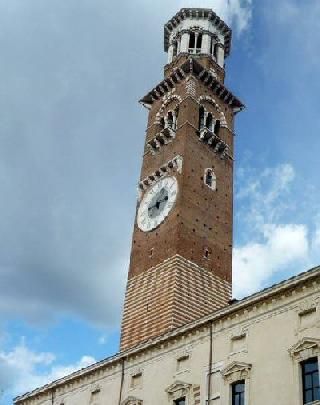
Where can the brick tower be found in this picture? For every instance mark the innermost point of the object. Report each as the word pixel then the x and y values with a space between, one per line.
pixel 181 259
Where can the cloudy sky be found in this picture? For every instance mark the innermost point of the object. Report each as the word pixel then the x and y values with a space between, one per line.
pixel 71 139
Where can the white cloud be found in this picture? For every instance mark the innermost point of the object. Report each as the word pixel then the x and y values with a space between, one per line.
pixel 254 263
pixel 265 193
pixel 22 370
pixel 273 246
pixel 237 13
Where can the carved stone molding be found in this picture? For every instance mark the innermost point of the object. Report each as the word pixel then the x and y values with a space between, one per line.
pixel 178 390
pixel 132 401
pixel 191 87
pixel 236 371
pixel 174 165
pixel 164 137
pixel 307 306
pixel 305 349
pixel 215 142
pixel 168 99
pixel 211 101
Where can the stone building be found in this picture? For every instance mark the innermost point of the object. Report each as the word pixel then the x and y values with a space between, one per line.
pixel 184 340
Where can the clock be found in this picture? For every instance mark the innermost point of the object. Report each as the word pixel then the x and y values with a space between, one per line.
pixel 157 203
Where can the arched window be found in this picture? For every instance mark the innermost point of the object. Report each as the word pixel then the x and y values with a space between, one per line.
pixel 192 42
pixel 217 127
pixel 199 43
pixel 162 123
pixel 210 179
pixel 211 45
pixel 170 120
pixel 207 252
pixel 175 48
pixel 209 123
pixel 175 118
pixel 215 51
pixel 201 118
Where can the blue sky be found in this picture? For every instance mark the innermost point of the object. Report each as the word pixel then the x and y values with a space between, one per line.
pixel 71 140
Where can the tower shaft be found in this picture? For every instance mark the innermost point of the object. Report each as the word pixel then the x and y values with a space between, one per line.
pixel 181 259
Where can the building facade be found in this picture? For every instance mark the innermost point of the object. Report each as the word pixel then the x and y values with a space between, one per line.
pixel 259 346
pixel 184 341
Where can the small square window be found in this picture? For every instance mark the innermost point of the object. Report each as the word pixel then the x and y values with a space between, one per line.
pixel 183 363
pixel 136 380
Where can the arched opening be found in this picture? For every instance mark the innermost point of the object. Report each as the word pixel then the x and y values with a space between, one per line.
pixel 175 48
pixel 212 42
pixel 170 120
pixel 210 179
pixel 217 127
pixel 201 118
pixel 215 51
pixel 209 123
pixel 162 123
pixel 199 43
pixel 192 42
pixel 175 119
pixel 207 253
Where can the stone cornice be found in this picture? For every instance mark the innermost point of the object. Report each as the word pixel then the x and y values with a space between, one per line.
pixel 281 288
pixel 191 66
pixel 198 13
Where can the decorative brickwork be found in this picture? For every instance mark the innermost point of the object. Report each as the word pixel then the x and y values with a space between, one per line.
pixel 167 296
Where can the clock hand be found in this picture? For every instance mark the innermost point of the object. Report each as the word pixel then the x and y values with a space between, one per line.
pixel 158 203
pixel 163 200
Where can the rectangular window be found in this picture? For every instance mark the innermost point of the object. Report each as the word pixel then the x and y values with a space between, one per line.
pixel 310 380
pixel 238 393
pixel 181 401
pixel 183 363
pixel 136 380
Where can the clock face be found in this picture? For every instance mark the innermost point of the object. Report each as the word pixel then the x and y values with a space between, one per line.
pixel 157 203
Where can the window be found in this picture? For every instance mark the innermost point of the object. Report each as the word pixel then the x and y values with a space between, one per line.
pixel 217 127
pixel 238 393
pixel 136 380
pixel 162 122
pixel 175 48
pixel 206 120
pixel 209 123
pixel 192 41
pixel 170 120
pixel 207 253
pixel 195 42
pixel 211 45
pixel 199 43
pixel 180 401
pixel 209 178
pixel 215 51
pixel 310 380
pixel 201 118
pixel 183 363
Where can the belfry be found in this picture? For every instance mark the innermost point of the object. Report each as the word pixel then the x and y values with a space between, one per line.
pixel 181 260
